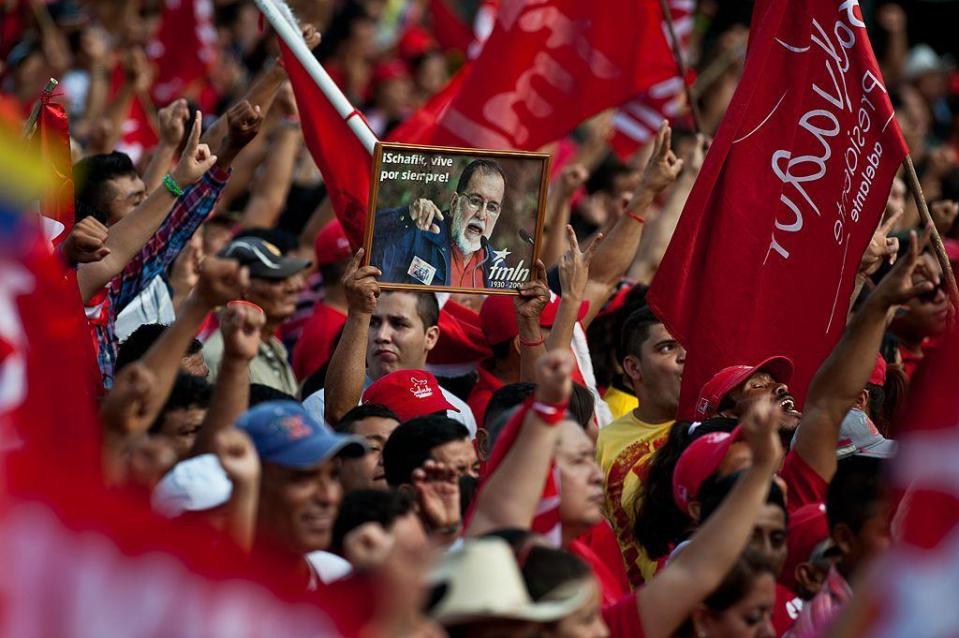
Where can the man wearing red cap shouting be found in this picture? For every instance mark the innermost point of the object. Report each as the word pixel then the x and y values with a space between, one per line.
pixel 384 332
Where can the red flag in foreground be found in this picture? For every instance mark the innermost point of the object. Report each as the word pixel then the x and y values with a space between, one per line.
pixel 183 50
pixel 567 60
pixel 53 134
pixel 80 559
pixel 764 257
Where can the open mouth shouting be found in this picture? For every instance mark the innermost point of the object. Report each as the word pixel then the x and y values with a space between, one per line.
pixel 788 405
pixel 475 228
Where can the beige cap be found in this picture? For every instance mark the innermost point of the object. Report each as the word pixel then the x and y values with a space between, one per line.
pixel 483 582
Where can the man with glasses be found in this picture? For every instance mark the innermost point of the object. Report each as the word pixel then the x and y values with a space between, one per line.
pixel 420 244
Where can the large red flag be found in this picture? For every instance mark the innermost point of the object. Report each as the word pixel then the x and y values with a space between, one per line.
pixel 342 159
pixel 183 50
pixel 637 121
pixel 567 60
pixel 764 257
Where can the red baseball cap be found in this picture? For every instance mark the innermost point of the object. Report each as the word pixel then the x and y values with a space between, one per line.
pixel 498 317
pixel 698 462
pixel 331 244
pixel 808 528
pixel 409 393
pixel 724 381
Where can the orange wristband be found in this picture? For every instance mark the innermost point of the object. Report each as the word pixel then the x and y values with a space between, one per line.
pixel 637 218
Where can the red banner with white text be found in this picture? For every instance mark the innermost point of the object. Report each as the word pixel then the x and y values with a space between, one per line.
pixel 567 60
pixel 764 257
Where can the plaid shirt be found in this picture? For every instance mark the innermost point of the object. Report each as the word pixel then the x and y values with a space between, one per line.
pixel 823 609
pixel 189 211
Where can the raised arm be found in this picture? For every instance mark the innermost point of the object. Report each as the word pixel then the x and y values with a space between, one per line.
pixel 510 495
pixel 844 373
pixel 619 249
pixel 347 370
pixel 557 211
pixel 128 236
pixel 272 185
pixel 241 325
pixel 240 462
pixel 221 280
pixel 172 121
pixel 573 277
pixel 699 568
pixel 532 300
pixel 659 230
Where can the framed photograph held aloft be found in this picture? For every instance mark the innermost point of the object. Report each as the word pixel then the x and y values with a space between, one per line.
pixel 455 219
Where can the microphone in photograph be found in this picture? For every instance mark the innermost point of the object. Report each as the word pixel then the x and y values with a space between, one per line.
pixel 525 236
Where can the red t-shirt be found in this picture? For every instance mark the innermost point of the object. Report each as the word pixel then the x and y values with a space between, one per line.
pixel 601 541
pixel 786 611
pixel 612 589
pixel 805 485
pixel 482 391
pixel 315 345
pixel 623 619
pixel 466 274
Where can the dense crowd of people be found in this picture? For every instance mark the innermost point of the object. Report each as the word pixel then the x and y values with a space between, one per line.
pixel 259 385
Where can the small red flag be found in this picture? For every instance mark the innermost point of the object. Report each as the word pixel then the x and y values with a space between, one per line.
pixel 764 258
pixel 53 135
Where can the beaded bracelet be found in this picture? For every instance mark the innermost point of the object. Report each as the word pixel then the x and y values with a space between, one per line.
pixel 171 185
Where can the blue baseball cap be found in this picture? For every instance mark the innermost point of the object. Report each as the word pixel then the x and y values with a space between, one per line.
pixel 285 434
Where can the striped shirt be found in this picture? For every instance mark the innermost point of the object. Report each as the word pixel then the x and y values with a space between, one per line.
pixel 189 211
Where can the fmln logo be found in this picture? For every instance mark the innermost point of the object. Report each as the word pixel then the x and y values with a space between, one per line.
pixel 499 271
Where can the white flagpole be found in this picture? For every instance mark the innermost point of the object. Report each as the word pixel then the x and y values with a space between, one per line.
pixel 279 18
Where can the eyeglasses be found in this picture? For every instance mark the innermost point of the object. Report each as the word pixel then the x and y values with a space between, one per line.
pixel 477 203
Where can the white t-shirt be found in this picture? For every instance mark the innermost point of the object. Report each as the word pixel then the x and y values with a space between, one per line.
pixel 315 404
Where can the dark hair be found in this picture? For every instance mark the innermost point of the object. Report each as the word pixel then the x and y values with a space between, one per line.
pixel 260 393
pixel 546 568
pixel 660 524
pixel 603 178
pixel 469 487
pixel 636 331
pixel 603 335
pixel 360 412
pixel 713 493
pixel 484 165
pixel 411 443
pixel 582 405
pixel 427 306
pixel 877 401
pixel 140 340
pixel 503 401
pixel 738 581
pixel 188 391
pixel 89 176
pixel 368 506
pixel 854 492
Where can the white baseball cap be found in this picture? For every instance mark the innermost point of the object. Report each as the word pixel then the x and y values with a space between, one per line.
pixel 193 485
